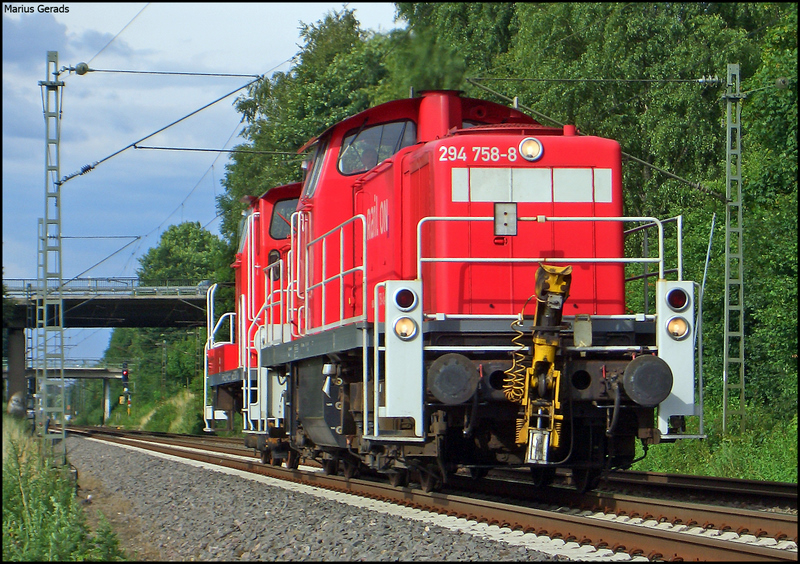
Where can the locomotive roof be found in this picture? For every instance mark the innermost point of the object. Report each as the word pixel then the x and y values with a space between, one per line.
pixel 411 104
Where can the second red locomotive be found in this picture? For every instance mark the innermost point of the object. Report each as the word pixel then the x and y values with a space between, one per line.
pixel 447 289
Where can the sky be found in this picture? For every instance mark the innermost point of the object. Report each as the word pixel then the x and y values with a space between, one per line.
pixel 138 192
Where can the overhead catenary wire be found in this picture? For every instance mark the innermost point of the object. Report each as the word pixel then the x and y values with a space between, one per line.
pixel 695 185
pixel 100 237
pixel 253 151
pixel 87 168
pixel 703 80
pixel 210 169
pixel 120 32
pixel 176 73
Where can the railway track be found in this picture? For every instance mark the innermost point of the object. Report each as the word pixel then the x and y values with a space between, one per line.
pixel 656 529
pixel 782 493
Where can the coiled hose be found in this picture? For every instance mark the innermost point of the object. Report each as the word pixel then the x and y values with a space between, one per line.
pixel 514 384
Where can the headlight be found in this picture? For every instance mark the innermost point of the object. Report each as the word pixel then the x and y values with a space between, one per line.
pixel 678 328
pixel 405 328
pixel 531 149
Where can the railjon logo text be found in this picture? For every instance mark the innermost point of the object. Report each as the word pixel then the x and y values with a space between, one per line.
pixel 378 219
pixel 41 8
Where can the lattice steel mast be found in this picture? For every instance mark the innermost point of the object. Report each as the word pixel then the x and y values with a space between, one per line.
pixel 733 351
pixel 49 346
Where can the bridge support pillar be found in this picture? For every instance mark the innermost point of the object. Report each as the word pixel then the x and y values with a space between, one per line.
pixel 106 400
pixel 16 362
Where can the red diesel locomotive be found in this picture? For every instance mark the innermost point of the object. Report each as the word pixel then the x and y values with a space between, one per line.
pixel 447 289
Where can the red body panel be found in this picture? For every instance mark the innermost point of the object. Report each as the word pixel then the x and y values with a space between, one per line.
pixel 418 182
pixel 576 177
pixel 223 358
pixel 465 159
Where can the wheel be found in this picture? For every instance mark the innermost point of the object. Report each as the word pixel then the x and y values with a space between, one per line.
pixel 476 473
pixel 265 456
pixel 330 466
pixel 350 469
pixel 429 479
pixel 292 459
pixel 275 461
pixel 585 479
pixel 542 476
pixel 399 478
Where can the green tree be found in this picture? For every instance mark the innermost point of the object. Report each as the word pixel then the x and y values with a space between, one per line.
pixel 185 253
pixel 461 37
pixel 162 360
pixel 338 69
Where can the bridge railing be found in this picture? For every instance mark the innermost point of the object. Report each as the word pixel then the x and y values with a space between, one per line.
pixel 24 287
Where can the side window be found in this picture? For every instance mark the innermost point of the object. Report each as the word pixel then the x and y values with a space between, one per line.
pixel 312 176
pixel 280 226
pixel 362 149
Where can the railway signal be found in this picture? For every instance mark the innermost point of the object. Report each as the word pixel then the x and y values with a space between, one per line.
pixel 125 383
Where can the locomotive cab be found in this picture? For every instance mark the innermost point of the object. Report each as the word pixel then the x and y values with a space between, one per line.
pixel 235 338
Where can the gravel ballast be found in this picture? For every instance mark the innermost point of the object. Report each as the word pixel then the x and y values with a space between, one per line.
pixel 191 513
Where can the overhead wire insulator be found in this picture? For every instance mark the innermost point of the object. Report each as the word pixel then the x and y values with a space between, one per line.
pixel 709 80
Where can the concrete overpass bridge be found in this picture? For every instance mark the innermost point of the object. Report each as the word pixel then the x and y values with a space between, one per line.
pixel 99 303
pixel 114 302
pixel 78 373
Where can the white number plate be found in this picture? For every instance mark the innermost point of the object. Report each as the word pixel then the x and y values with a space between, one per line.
pixel 477 154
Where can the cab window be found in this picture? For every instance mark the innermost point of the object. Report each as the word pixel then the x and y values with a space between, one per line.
pixel 312 176
pixel 280 226
pixel 364 148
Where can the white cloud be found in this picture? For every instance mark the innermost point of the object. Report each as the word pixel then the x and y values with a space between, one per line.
pixel 136 192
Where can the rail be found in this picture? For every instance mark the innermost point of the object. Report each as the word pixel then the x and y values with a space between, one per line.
pixel 266 327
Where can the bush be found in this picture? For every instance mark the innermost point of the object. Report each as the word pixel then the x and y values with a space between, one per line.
pixel 42 519
pixel 766 450
pixel 161 419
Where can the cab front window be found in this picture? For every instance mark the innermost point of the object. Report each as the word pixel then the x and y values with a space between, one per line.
pixel 364 148
pixel 280 226
pixel 312 175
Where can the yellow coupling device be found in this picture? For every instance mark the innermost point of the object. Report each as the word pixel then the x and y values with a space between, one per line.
pixel 540 423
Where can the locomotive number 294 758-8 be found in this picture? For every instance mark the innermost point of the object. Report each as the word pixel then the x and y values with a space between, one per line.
pixel 476 154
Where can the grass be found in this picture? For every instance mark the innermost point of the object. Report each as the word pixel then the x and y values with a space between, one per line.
pixel 182 413
pixel 42 518
pixel 766 450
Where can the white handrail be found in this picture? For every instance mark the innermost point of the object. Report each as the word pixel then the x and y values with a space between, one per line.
pixel 542 219
pixel 340 275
